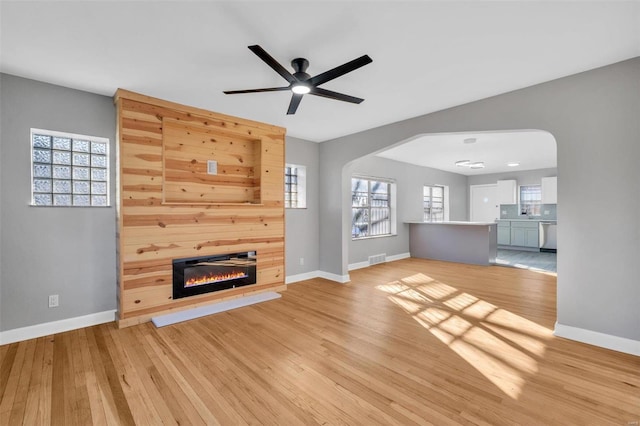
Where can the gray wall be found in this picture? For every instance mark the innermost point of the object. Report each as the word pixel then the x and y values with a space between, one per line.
pixel 410 180
pixel 594 119
pixel 301 225
pixel 51 250
pixel 524 177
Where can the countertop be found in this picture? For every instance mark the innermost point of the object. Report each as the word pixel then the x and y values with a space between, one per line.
pixel 526 220
pixel 453 223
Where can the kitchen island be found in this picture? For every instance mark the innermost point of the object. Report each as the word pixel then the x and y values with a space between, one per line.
pixel 464 242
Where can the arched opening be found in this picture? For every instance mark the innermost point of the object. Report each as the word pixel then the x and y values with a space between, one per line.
pixel 455 177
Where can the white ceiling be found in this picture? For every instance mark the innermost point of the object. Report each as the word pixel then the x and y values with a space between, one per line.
pixel 531 149
pixel 427 55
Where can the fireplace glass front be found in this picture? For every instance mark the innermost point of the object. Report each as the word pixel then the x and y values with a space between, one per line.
pixel 206 274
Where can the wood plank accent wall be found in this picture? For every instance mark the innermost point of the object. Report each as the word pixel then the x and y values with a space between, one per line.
pixel 169 207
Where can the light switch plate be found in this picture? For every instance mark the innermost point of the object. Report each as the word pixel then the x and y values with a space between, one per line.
pixel 212 167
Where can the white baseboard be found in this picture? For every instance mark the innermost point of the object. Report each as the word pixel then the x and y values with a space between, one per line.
pixel 400 256
pixel 339 278
pixel 365 264
pixel 620 344
pixel 334 277
pixel 358 265
pixel 301 277
pixel 317 274
pixel 53 327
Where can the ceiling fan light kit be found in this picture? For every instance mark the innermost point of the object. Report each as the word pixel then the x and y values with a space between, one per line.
pixel 301 83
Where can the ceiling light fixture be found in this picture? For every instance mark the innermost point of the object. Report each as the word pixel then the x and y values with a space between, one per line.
pixel 300 89
pixel 470 164
pixel 513 164
pixel 470 140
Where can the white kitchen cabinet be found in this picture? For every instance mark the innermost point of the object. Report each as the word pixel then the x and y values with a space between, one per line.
pixel 507 192
pixel 524 233
pixel 504 233
pixel 550 190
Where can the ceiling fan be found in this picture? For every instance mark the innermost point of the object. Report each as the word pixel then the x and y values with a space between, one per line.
pixel 301 83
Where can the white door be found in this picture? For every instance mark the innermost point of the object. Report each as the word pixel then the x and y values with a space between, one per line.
pixel 484 203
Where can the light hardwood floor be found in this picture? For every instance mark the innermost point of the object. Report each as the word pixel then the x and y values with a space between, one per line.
pixel 408 342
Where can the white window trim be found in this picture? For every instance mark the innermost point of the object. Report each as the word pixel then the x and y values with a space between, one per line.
pixel 445 204
pixel 393 207
pixel 56 133
pixel 520 200
pixel 301 185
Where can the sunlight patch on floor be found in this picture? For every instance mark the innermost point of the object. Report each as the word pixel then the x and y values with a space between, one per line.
pixel 502 346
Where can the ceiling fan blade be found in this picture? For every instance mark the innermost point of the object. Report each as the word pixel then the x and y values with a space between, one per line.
pixel 335 95
pixel 267 89
pixel 262 54
pixel 293 105
pixel 341 70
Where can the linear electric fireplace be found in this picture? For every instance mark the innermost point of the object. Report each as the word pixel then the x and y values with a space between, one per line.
pixel 199 275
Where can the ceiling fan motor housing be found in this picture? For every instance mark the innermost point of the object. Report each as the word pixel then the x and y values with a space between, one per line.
pixel 300 66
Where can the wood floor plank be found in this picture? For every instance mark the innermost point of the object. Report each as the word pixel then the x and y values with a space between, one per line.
pixel 408 342
pixel 32 413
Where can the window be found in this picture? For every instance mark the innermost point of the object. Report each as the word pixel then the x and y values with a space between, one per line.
pixel 434 203
pixel 370 207
pixel 530 200
pixel 69 170
pixel 295 186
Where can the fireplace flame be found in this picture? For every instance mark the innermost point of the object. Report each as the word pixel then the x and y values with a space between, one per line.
pixel 214 278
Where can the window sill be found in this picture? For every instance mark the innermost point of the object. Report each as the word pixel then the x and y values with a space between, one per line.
pixel 373 237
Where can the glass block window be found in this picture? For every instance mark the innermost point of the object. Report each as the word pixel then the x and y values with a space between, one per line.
pixel 69 170
pixel 370 208
pixel 433 203
pixel 295 188
pixel 530 200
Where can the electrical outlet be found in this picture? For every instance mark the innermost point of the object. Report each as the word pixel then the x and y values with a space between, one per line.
pixel 302 261
pixel 53 301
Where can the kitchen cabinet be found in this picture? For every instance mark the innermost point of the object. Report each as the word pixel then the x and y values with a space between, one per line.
pixel 507 192
pixel 524 234
pixel 549 189
pixel 504 233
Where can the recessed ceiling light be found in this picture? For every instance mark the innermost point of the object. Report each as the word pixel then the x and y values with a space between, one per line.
pixel 470 140
pixel 513 164
pixel 477 165
pixel 463 163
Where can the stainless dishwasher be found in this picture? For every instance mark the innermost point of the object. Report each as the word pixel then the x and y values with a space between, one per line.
pixel 548 236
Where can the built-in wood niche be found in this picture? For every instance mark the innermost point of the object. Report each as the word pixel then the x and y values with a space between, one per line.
pixel 193 183
pixel 204 165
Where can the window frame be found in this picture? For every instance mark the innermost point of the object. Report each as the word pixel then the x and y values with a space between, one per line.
pixel 444 203
pixel 537 204
pixel 301 186
pixel 89 180
pixel 391 189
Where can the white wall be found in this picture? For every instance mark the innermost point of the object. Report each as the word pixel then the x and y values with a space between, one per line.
pixel 302 225
pixel 51 250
